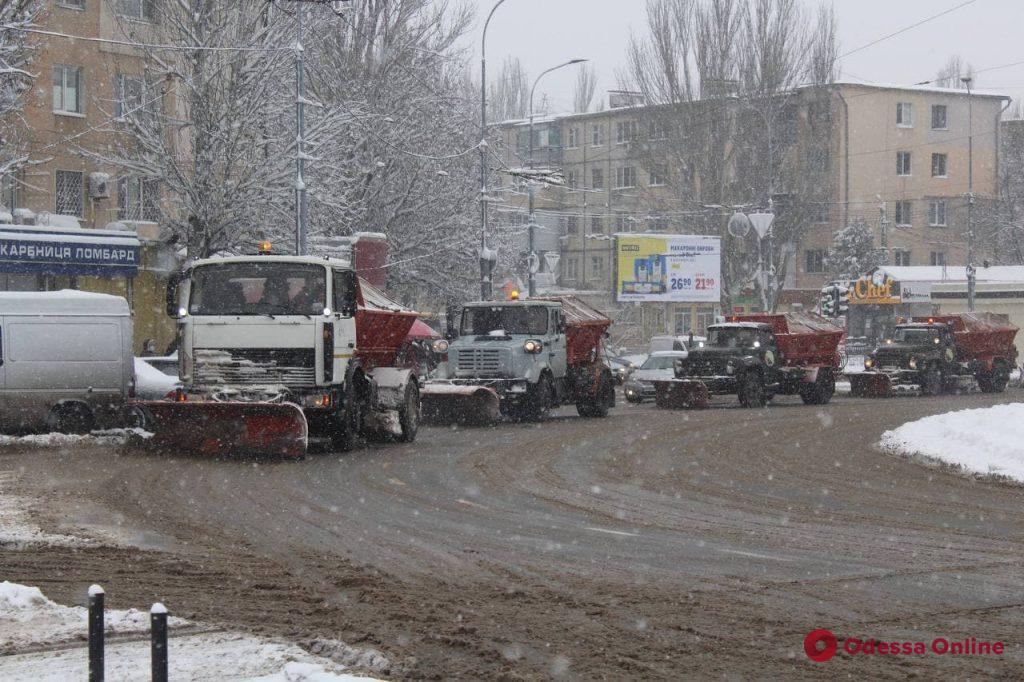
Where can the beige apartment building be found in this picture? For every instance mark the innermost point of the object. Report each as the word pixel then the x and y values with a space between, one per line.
pixel 897 158
pixel 83 86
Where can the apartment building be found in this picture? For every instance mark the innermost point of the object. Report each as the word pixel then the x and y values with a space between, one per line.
pixel 898 158
pixel 83 86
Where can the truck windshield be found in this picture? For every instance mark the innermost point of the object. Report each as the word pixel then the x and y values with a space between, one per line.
pixel 480 321
pixel 916 336
pixel 731 337
pixel 258 289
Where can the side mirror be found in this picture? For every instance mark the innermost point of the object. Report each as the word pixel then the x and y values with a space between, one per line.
pixel 172 294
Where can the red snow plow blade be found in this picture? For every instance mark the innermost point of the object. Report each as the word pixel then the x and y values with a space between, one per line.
pixel 870 385
pixel 451 404
pixel 227 428
pixel 681 393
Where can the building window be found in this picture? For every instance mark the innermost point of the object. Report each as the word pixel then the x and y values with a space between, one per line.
pixel 625 177
pixel 597 178
pixel 68 194
pixel 659 224
pixel 658 130
pixel 68 85
pixel 625 131
pixel 571 268
pixel 572 224
pixel 596 266
pixel 596 224
pixel 138 199
pixel 72 4
pixel 570 179
pixel 902 163
pixel 623 222
pixel 939 121
pixel 939 258
pixel 903 215
pixel 904 114
pixel 573 140
pixel 140 10
pixel 939 162
pixel 134 96
pixel 815 261
pixel 901 257
pixel 937 213
pixel 597 134
pixel 658 175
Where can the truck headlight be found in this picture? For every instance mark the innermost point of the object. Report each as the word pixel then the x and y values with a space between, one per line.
pixel 533 346
pixel 912 364
pixel 440 346
pixel 869 363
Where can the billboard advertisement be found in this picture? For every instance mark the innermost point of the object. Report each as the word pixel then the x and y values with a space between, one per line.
pixel 669 268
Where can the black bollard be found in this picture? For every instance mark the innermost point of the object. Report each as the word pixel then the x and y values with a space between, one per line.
pixel 158 635
pixel 96 634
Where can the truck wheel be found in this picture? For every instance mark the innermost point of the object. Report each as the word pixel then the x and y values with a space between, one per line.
pixel 996 380
pixel 73 418
pixel 931 381
pixel 597 406
pixel 821 391
pixel 409 413
pixel 538 401
pixel 751 393
pixel 345 423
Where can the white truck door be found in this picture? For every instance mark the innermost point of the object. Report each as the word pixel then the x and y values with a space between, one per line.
pixel 557 349
pixel 344 321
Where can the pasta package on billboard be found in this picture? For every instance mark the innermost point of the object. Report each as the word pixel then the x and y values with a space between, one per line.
pixel 682 268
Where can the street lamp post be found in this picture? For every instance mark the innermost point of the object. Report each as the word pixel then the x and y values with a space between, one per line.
pixel 486 261
pixel 971 274
pixel 532 227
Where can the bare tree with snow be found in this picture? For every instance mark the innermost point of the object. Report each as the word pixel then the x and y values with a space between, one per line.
pixel 16 79
pixel 951 73
pixel 508 95
pixel 584 89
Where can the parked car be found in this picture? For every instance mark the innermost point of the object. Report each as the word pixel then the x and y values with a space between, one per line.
pixel 621 368
pixel 660 365
pixel 65 361
pixel 678 343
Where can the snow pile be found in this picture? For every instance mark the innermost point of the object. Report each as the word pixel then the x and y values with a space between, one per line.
pixel 51 641
pixel 982 441
pixel 27 618
pixel 62 440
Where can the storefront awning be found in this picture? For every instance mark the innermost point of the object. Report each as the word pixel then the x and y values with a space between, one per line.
pixel 29 249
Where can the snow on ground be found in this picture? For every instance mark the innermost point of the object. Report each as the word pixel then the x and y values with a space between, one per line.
pixel 982 441
pixel 16 527
pixel 63 440
pixel 51 638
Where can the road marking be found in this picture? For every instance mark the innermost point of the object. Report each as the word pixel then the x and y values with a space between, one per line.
pixel 471 504
pixel 611 532
pixel 755 555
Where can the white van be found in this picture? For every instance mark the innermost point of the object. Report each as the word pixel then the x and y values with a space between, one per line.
pixel 65 361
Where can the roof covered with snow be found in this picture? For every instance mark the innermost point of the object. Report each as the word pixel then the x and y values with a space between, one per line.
pixel 65 302
pixel 919 88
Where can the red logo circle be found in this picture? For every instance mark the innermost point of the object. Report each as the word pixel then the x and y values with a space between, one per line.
pixel 820 654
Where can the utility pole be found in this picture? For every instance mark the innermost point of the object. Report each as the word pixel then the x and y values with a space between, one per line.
pixel 300 137
pixel 883 226
pixel 971 273
pixel 486 258
pixel 532 227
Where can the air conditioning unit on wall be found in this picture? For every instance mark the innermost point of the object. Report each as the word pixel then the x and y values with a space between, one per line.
pixel 99 186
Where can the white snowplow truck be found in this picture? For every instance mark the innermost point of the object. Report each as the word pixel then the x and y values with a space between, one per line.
pixel 275 349
pixel 520 359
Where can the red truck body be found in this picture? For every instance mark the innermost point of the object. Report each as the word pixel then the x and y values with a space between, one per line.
pixel 584 329
pixel 382 326
pixel 979 336
pixel 803 339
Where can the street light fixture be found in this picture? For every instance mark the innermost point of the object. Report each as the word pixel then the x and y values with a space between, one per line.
pixel 971 273
pixel 530 186
pixel 486 255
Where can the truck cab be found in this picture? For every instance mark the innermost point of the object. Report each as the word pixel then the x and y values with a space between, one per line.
pixel 732 351
pixel 922 354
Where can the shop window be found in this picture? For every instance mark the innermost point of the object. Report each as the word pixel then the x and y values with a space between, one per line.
pixel 68 194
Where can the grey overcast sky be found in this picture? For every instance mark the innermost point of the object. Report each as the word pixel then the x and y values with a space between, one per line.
pixel 985 33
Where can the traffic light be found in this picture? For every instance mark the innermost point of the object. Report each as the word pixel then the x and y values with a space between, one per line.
pixel 834 300
pixel 842 301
